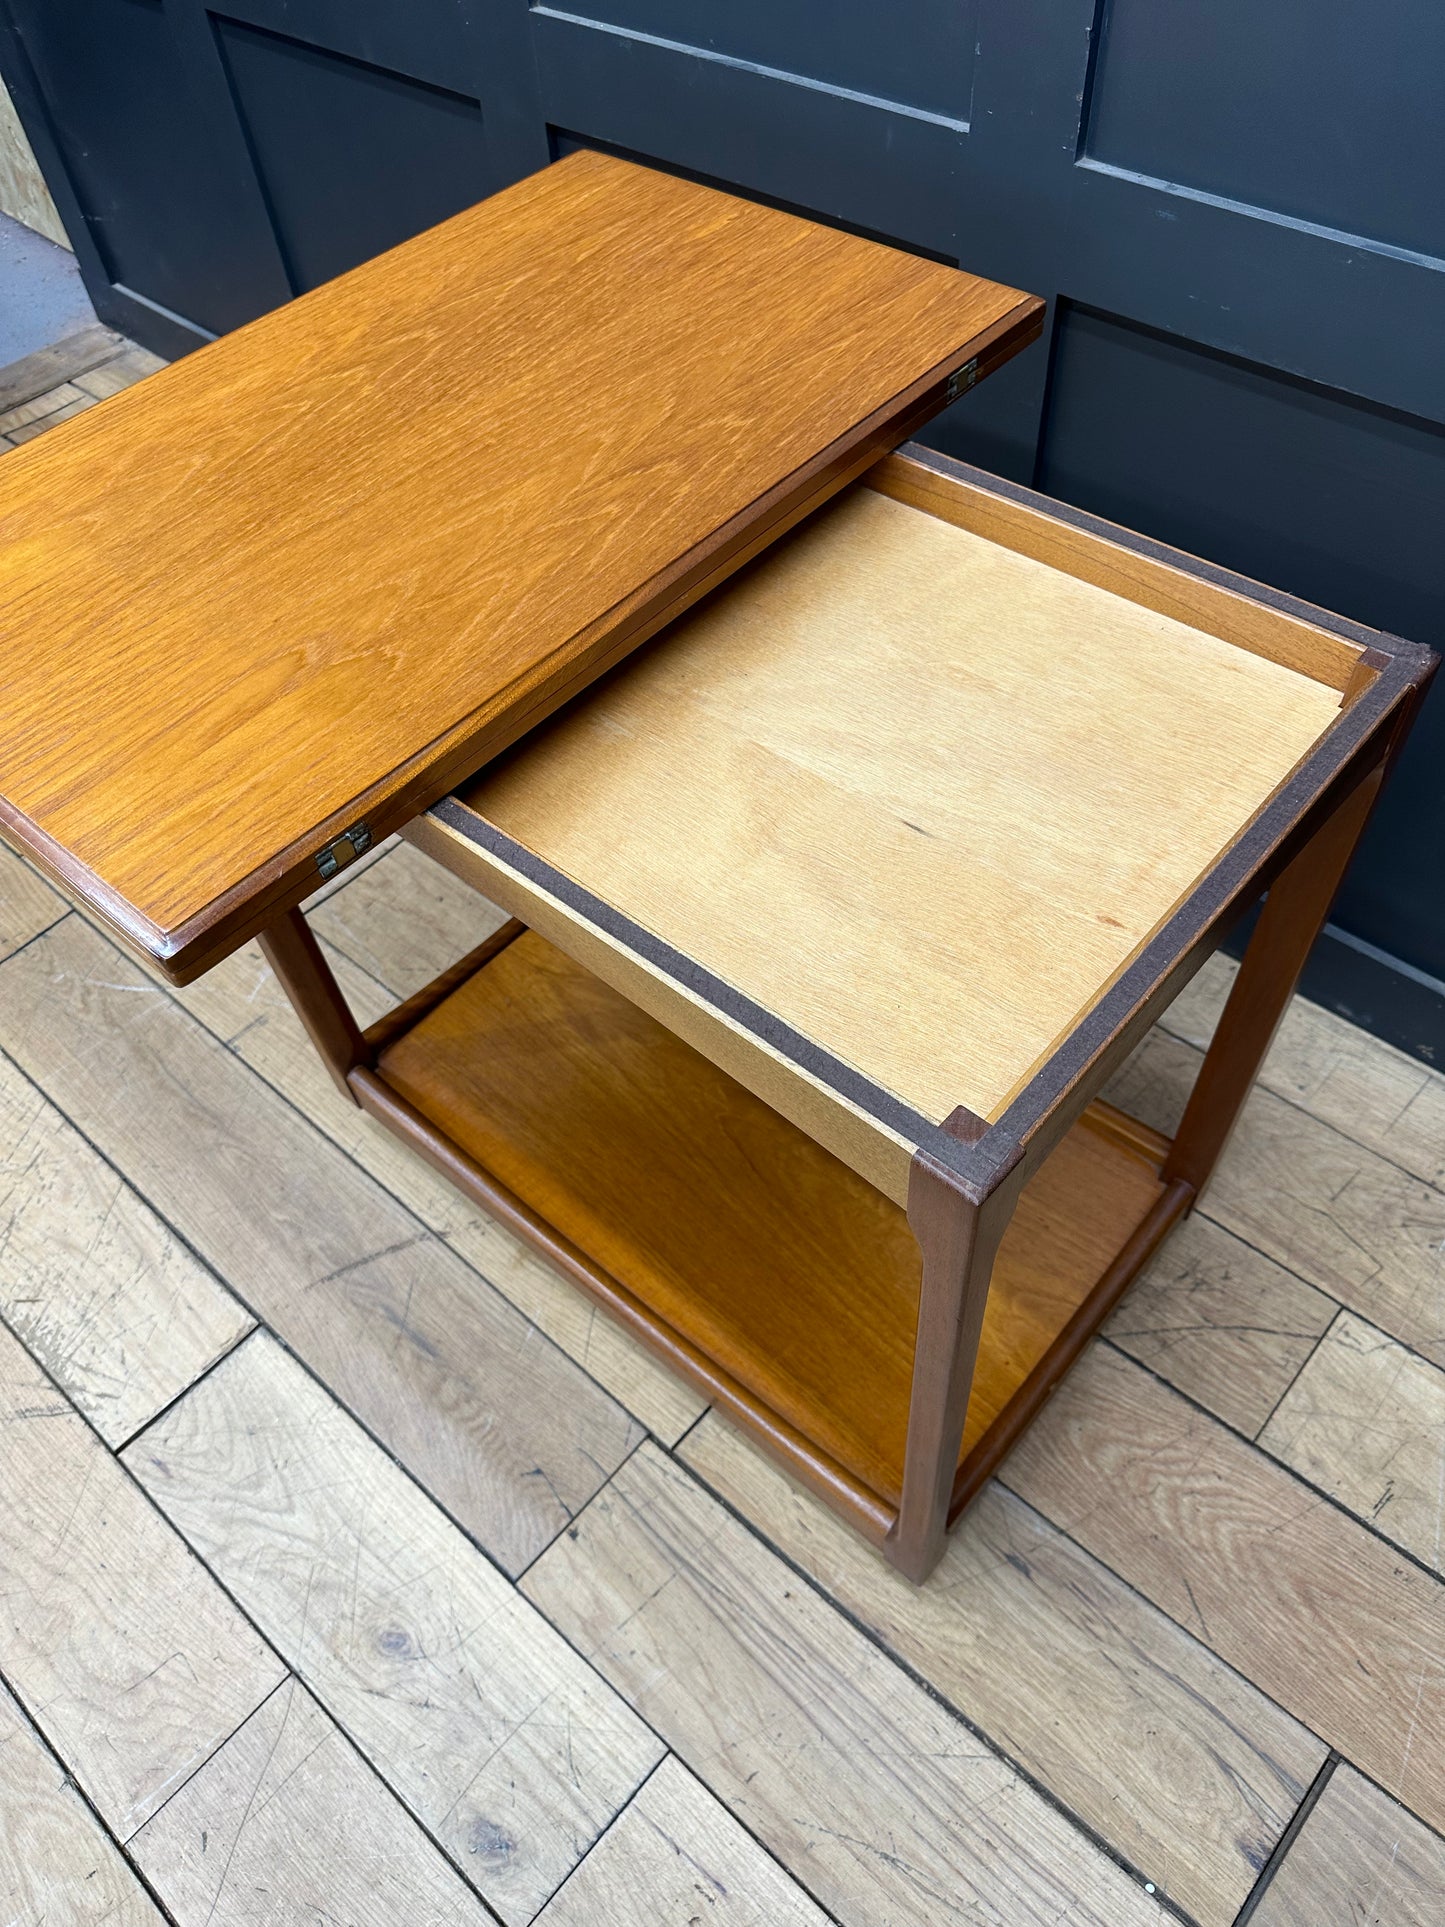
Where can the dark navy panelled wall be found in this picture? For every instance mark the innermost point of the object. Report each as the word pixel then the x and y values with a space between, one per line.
pixel 1237 212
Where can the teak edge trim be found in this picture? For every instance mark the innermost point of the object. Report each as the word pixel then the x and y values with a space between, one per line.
pixel 978 1155
pixel 240 912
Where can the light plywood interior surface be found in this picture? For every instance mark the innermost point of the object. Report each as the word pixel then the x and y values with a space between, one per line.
pixel 919 795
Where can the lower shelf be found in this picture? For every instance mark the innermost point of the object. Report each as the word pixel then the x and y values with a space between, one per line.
pixel 742 1251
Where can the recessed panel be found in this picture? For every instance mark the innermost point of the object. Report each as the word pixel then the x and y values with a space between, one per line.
pixel 878 168
pixel 1313 491
pixel 156 195
pixel 354 158
pixel 430 43
pixel 916 52
pixel 1322 110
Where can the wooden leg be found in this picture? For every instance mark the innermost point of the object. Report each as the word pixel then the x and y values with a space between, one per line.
pixel 959 1240
pixel 1293 915
pixel 305 976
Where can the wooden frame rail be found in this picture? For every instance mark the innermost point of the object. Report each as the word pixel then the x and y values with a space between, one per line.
pixel 961 1206
pixel 553 1099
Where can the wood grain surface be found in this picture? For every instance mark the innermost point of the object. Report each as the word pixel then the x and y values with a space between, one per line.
pixel 853 1776
pixel 48 411
pixel 919 796
pixel 1309 1196
pixel 287 1823
pixel 1335 1625
pixel 880 1151
pixel 236 621
pixel 406 1333
pixel 1184 1768
pixel 579 1103
pixel 58 401
pixel 1359 1861
pixel 1221 1321
pixel 241 1003
pixel 507 1747
pixel 1365 1421
pixel 1293 914
pixel 1381 1098
pixel 677 1854
pixel 116 1640
pixel 87 349
pixel 56 1863
pixel 104 1294
pixel 131 365
pixel 1046 1643
pixel 28 905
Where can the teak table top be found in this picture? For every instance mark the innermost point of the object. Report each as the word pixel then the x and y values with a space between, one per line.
pixel 918 795
pixel 247 603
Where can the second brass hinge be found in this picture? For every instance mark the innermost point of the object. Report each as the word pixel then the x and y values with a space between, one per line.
pixel 961 380
pixel 342 850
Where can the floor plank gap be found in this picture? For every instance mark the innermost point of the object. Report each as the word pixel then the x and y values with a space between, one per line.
pixel 919 1679
pixel 1286 1840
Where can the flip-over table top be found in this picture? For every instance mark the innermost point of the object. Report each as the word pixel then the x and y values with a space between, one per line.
pixel 267 605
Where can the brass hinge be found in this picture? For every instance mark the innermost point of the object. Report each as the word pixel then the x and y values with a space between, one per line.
pixel 961 380
pixel 342 850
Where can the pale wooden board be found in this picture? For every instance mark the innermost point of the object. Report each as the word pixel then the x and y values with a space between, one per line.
pixel 936 908
pixel 1331 1210
pixel 115 1638
pixel 405 920
pixel 1335 1625
pixel 505 1745
pixel 104 1294
pixel 1359 1861
pixel 1338 1073
pixel 62 359
pixel 405 1333
pixel 1221 1321
pixel 23 193
pixel 888 1809
pixel 27 906
pixel 124 371
pixel 57 1866
pixel 28 431
pixel 1365 1421
pixel 1112 560
pixel 1154 1082
pixel 287 1827
pixel 676 1855
pixel 1182 1766
pixel 241 1003
pixel 39 406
